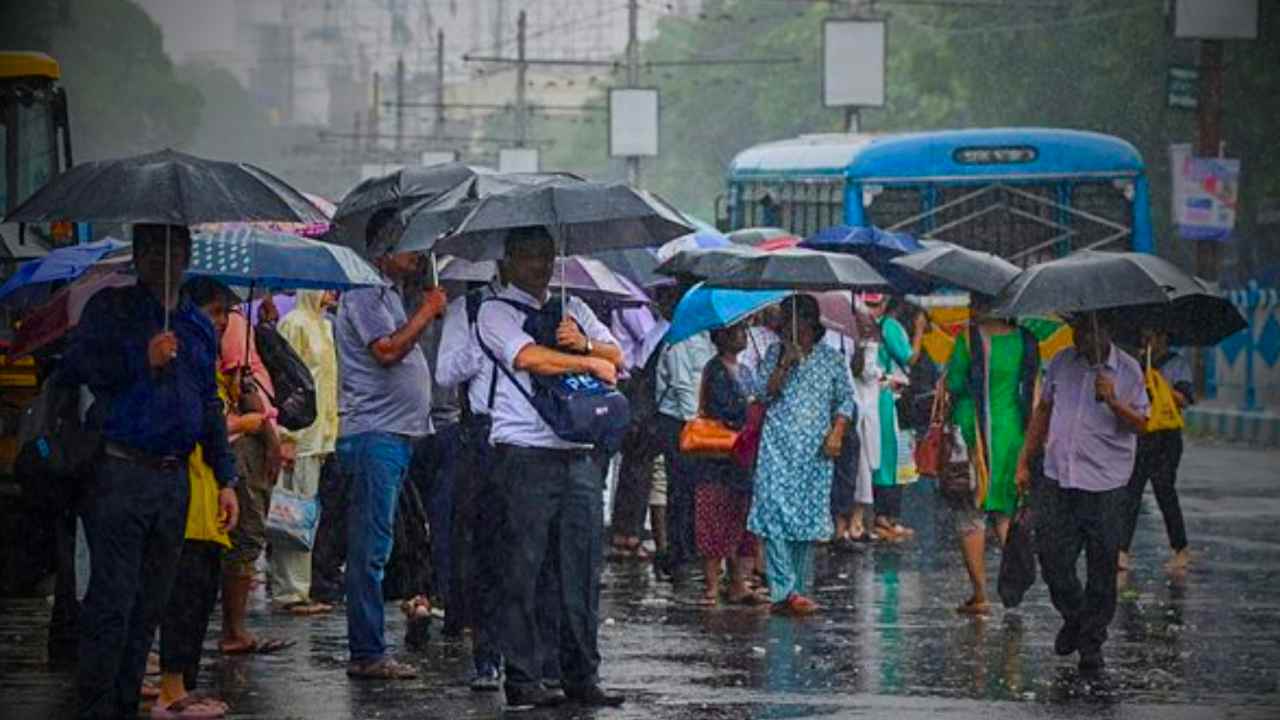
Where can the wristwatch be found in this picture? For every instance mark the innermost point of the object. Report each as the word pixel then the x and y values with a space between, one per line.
pixel 589 346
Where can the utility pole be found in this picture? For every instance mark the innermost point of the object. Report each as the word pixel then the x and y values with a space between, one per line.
pixel 439 124
pixel 522 68
pixel 400 100
pixel 1209 141
pixel 374 125
pixel 633 75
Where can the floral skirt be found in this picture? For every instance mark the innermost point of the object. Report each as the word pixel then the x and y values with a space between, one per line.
pixel 720 521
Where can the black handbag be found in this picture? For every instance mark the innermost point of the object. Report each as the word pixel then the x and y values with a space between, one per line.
pixel 295 389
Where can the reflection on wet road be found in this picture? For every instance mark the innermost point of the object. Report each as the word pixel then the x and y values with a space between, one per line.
pixel 1206 644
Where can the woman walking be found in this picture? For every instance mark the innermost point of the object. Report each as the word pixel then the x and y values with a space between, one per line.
pixel 895 355
pixel 810 403
pixel 722 497
pixel 992 381
pixel 1160 449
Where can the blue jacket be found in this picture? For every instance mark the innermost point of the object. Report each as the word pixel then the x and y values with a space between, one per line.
pixel 160 412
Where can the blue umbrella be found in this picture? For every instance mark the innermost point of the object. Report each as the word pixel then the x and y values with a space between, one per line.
pixel 32 279
pixel 704 308
pixel 878 247
pixel 248 255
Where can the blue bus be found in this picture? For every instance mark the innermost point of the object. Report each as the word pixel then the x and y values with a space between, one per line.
pixel 1026 194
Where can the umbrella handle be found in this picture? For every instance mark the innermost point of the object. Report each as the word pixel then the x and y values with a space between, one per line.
pixel 435 271
pixel 167 251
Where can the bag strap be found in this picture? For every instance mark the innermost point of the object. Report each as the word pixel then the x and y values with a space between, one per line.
pixel 499 365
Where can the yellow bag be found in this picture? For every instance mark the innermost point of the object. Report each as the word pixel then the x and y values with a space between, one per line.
pixel 1165 413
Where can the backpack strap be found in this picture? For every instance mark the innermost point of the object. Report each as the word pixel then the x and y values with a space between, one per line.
pixel 493 358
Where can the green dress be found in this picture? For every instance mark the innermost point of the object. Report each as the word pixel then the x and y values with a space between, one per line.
pixel 895 352
pixel 1007 425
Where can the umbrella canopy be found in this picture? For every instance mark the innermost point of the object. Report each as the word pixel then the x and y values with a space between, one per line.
pixel 249 255
pixel 708 262
pixel 311 230
pixel 396 190
pixel 581 276
pixel 1094 280
pixel 877 247
pixel 801 269
pixel 635 264
pixel 700 240
pixel 753 236
pixel 705 308
pixel 54 319
pixel 31 281
pixel 1195 319
pixel 432 217
pixel 960 268
pixel 166 187
pixel 583 217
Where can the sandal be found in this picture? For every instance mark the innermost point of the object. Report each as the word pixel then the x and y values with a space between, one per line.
pixel 969 607
pixel 149 691
pixel 189 707
pixel 303 608
pixel 751 598
pixel 384 669
pixel 257 646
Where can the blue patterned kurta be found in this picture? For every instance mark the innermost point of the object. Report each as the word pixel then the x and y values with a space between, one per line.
pixel 793 477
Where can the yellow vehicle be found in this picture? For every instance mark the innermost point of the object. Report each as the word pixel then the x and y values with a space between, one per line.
pixel 35 143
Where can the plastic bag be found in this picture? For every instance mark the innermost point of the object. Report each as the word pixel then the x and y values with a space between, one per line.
pixel 1018 561
pixel 292 519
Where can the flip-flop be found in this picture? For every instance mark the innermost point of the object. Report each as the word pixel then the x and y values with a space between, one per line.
pixel 260 647
pixel 188 708
pixel 149 691
pixel 975 609
pixel 303 608
pixel 750 599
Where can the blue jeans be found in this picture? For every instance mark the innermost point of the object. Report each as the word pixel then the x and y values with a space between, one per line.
pixel 375 464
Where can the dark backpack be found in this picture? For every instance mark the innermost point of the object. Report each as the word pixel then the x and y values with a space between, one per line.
pixel 56 450
pixel 578 407
pixel 295 389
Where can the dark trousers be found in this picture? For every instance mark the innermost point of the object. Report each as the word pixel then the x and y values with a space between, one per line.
pixel 888 500
pixel 475 596
pixel 134 518
pixel 635 481
pixel 64 620
pixel 681 476
pixel 1068 521
pixel 195 592
pixel 553 507
pixel 1159 454
pixel 844 484
pixel 330 549
pixel 435 459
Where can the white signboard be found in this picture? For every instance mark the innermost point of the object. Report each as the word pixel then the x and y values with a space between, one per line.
pixel 853 61
pixel 1206 192
pixel 373 170
pixel 633 122
pixel 1217 19
pixel 518 160
pixel 438 157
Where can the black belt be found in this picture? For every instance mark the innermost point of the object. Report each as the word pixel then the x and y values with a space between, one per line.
pixel 146 460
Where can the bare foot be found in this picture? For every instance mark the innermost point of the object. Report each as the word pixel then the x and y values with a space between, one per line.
pixel 1124 561
pixel 1180 560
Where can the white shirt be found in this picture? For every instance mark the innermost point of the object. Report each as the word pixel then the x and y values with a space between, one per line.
pixel 501 329
pixel 460 358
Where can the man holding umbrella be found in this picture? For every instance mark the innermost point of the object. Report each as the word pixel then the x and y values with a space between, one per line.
pixel 1093 403
pixel 384 404
pixel 150 362
pixel 551 487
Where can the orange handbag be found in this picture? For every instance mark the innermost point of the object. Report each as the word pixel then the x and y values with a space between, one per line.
pixel 706 437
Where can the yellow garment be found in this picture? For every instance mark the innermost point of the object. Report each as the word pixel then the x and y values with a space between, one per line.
pixel 202 513
pixel 310 334
pixel 1165 414
pixel 946 322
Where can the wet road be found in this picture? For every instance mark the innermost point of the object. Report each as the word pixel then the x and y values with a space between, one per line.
pixel 1206 644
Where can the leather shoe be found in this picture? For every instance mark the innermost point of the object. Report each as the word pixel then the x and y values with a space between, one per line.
pixel 533 697
pixel 1091 661
pixel 1067 641
pixel 594 696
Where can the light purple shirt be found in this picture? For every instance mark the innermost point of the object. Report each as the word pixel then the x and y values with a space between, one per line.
pixel 501 329
pixel 1090 448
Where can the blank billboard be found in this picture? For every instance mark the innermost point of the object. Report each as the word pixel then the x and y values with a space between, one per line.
pixel 1217 19
pixel 633 122
pixel 518 160
pixel 853 60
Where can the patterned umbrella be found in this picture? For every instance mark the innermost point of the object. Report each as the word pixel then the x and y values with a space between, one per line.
pixel 248 255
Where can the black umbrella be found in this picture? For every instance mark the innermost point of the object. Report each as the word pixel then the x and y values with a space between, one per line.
pixel 960 268
pixel 1149 290
pixel 636 264
pixel 704 263
pixel 169 188
pixel 801 269
pixel 583 217
pixel 431 217
pixel 396 190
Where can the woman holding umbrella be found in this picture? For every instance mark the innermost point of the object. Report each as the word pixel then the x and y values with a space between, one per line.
pixel 810 403
pixel 991 378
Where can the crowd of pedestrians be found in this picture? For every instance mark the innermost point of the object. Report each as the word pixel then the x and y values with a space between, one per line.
pixel 428 416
